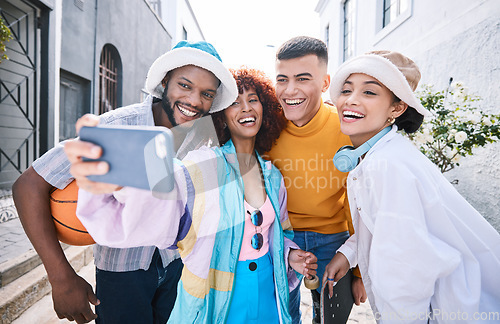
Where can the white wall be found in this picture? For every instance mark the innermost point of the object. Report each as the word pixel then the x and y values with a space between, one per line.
pixel 446 38
pixel 176 15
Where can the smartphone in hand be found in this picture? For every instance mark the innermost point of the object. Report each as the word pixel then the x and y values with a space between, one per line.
pixel 138 156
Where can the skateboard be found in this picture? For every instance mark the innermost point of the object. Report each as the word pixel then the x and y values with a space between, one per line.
pixel 337 308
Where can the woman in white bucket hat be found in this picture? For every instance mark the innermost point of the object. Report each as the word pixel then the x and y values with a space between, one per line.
pixel 425 254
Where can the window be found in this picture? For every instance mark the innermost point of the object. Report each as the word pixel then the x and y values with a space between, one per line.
pixel 184 34
pixel 390 15
pixel 394 8
pixel 74 102
pixel 348 30
pixel 110 67
pixel 156 6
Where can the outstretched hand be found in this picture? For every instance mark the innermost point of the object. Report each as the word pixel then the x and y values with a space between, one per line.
pixel 336 270
pixel 75 150
pixel 303 262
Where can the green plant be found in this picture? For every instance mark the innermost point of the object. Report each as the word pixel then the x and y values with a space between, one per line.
pixel 456 127
pixel 5 36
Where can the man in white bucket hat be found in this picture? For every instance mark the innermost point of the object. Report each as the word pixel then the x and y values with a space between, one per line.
pixel 191 56
pixel 132 285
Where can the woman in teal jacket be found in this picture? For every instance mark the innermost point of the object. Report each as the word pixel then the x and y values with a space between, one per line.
pixel 227 216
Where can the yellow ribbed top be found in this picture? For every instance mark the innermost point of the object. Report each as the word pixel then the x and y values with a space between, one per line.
pixel 316 190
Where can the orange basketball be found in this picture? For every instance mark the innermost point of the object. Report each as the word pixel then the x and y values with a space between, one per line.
pixel 63 208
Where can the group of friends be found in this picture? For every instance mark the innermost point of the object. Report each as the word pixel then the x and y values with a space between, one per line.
pixel 249 218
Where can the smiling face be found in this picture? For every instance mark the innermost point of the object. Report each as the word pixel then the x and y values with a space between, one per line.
pixel 365 105
pixel 244 116
pixel 299 85
pixel 190 91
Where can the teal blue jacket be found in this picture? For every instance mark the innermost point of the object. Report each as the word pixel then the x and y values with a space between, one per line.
pixel 204 218
pixel 207 300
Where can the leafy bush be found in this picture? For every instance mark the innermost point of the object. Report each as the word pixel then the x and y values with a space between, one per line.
pixel 456 127
pixel 5 36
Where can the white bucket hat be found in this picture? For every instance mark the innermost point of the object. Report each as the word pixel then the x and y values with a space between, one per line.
pixel 201 54
pixel 396 71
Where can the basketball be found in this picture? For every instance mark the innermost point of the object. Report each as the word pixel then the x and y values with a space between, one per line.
pixel 63 209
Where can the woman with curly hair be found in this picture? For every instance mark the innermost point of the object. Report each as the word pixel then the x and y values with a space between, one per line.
pixel 273 121
pixel 227 215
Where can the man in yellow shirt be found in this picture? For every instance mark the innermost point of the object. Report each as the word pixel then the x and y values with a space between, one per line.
pixel 303 153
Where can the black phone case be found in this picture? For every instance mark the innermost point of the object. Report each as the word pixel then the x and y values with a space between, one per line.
pixel 138 156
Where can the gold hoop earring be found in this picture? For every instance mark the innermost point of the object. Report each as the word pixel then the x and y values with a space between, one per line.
pixel 391 120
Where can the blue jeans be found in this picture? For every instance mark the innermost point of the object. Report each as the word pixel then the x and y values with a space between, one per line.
pixel 324 247
pixel 141 296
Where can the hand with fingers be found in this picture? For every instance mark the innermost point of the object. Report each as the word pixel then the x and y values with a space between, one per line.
pixel 72 298
pixel 335 270
pixel 75 151
pixel 358 290
pixel 303 262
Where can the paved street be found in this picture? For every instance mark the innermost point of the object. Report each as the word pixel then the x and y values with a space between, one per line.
pixel 13 243
pixel 42 312
pixel 13 240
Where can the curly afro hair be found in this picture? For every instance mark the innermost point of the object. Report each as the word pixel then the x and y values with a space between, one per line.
pixel 273 119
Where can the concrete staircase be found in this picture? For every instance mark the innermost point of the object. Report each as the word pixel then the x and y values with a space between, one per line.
pixel 23 280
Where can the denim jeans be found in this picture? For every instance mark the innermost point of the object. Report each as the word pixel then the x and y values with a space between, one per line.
pixel 324 247
pixel 141 296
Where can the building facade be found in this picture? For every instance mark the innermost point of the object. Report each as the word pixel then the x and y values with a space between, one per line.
pixel 180 20
pixel 456 39
pixel 71 57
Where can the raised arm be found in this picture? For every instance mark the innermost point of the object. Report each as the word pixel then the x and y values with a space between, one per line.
pixel 123 217
pixel 134 217
pixel 76 150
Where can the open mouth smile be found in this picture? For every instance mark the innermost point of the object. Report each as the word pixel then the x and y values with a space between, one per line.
pixel 186 112
pixel 352 115
pixel 294 102
pixel 247 121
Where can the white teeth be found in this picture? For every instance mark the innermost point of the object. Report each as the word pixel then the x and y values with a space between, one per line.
pixel 246 119
pixel 186 112
pixel 348 113
pixel 294 101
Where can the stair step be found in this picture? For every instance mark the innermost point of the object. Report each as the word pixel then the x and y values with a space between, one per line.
pixel 13 269
pixel 42 312
pixel 23 292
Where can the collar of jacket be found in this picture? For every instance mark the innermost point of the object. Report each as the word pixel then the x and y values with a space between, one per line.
pixel 229 152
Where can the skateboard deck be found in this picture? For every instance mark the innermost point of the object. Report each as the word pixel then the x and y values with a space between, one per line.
pixel 336 310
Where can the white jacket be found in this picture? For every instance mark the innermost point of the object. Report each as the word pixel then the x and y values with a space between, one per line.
pixel 418 243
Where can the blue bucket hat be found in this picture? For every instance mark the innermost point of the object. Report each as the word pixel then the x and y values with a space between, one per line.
pixel 201 54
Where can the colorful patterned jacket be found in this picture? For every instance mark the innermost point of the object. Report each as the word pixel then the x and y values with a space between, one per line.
pixel 204 217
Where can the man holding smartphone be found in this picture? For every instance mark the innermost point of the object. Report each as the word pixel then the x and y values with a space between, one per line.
pixel 132 285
